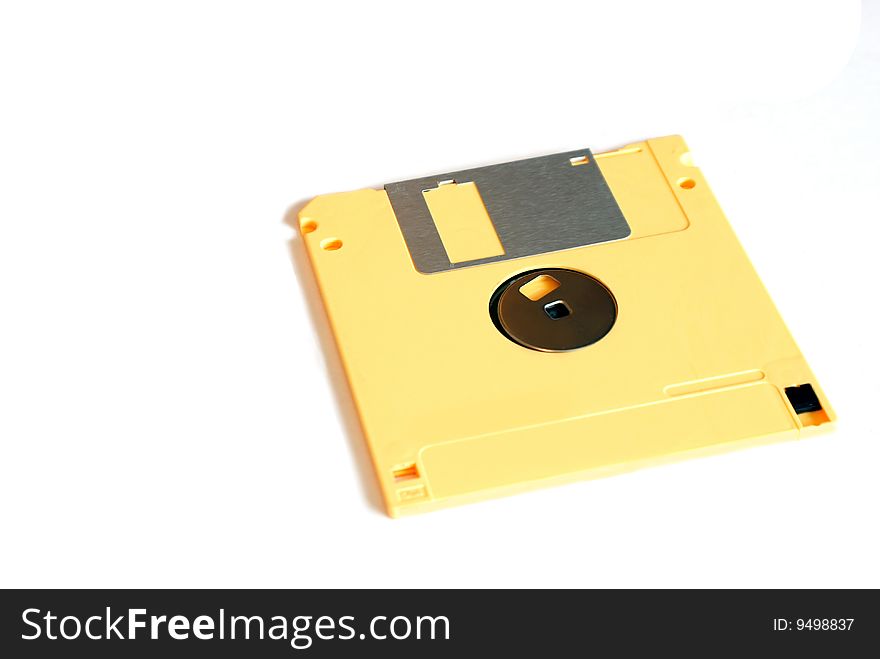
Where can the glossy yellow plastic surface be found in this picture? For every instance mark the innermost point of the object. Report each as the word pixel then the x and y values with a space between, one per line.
pixel 453 411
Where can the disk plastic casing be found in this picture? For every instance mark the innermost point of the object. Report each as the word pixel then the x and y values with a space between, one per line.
pixel 698 359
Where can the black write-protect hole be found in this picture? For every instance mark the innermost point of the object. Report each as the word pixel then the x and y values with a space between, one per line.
pixel 803 399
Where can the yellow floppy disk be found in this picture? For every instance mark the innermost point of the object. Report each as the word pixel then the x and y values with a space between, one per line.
pixel 551 319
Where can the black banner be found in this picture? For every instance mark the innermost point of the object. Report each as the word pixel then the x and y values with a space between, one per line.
pixel 418 623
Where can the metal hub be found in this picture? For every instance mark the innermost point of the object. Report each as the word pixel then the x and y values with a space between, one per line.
pixel 553 309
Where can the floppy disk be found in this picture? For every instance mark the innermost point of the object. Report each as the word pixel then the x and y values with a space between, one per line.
pixel 551 319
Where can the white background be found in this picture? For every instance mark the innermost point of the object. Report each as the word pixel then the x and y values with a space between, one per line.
pixel 170 413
